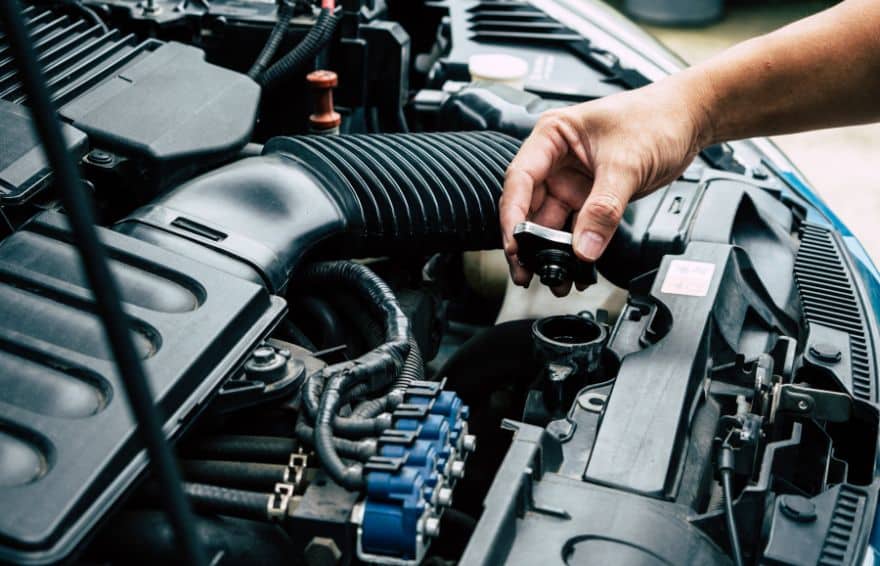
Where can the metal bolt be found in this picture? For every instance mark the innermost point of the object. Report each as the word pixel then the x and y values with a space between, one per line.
pixel 469 443
pixel 150 7
pixel 263 355
pixel 432 526
pixel 100 157
pixel 803 405
pixel 322 551
pixel 457 469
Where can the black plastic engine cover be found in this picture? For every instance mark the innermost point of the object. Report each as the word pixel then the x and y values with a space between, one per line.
pixel 68 448
pixel 560 62
pixel 158 104
pixel 23 166
pixel 169 107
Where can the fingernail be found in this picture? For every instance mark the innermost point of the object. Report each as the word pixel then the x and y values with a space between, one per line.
pixel 590 245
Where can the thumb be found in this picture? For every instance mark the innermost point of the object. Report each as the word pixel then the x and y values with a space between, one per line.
pixel 601 213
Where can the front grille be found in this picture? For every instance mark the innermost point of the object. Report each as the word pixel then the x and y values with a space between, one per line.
pixel 828 296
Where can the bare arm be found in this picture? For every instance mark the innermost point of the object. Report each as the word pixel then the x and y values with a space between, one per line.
pixel 593 158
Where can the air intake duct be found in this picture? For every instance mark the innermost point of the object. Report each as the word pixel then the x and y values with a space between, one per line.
pixel 411 192
pixel 348 195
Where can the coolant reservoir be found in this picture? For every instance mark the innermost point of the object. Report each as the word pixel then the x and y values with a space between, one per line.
pixel 499 68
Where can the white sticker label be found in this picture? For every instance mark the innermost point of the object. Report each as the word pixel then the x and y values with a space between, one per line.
pixel 691 278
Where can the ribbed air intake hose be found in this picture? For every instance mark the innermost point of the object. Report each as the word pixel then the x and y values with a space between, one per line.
pixel 338 196
pixel 410 193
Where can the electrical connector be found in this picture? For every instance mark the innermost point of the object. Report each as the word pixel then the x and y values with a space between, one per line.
pixel 411 480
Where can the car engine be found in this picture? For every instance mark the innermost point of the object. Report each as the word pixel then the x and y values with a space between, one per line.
pixel 299 202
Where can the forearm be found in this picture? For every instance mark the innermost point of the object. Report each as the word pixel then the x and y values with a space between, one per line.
pixel 820 72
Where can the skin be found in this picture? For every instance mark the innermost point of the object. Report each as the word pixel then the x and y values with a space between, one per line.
pixel 590 160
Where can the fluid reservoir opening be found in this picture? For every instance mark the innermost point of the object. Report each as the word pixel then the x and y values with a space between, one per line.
pixel 569 329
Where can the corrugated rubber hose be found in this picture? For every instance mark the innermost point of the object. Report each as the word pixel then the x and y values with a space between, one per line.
pixel 283 15
pixel 378 368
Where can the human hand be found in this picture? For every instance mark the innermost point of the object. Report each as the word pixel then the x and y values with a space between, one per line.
pixel 592 159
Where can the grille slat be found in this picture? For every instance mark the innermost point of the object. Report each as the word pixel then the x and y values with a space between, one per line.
pixel 841 538
pixel 516 22
pixel 828 297
pixel 75 54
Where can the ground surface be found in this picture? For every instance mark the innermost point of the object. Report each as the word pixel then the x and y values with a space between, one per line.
pixel 840 162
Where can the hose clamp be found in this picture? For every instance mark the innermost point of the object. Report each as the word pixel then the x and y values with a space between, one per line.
pixel 279 501
pixel 295 471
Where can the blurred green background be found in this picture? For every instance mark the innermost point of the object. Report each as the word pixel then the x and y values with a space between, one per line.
pixel 839 162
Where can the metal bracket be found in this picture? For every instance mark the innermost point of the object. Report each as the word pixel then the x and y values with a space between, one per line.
pixel 812 403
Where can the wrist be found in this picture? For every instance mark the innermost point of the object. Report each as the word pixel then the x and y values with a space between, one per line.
pixel 697 92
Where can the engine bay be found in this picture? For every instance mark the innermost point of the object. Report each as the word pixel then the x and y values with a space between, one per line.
pixel 299 201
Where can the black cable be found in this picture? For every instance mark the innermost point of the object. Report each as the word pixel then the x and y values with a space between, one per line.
pixel 725 466
pixel 108 303
pixel 306 50
pixel 377 368
pixel 283 15
pixel 92 15
pixel 360 450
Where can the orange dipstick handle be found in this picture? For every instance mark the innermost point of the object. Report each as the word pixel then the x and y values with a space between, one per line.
pixel 325 118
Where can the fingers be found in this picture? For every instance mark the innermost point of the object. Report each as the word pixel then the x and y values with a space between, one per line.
pixel 520 275
pixel 536 158
pixel 602 211
pixel 561 290
pixel 553 213
pixel 529 168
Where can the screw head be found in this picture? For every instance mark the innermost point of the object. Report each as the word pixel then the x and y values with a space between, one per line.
pixel 100 157
pixel 803 405
pixel 263 355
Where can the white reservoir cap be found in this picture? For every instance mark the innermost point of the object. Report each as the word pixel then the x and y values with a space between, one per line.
pixel 499 68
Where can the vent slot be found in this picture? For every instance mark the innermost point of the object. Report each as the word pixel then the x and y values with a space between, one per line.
pixel 75 54
pixel 828 296
pixel 515 21
pixel 843 530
